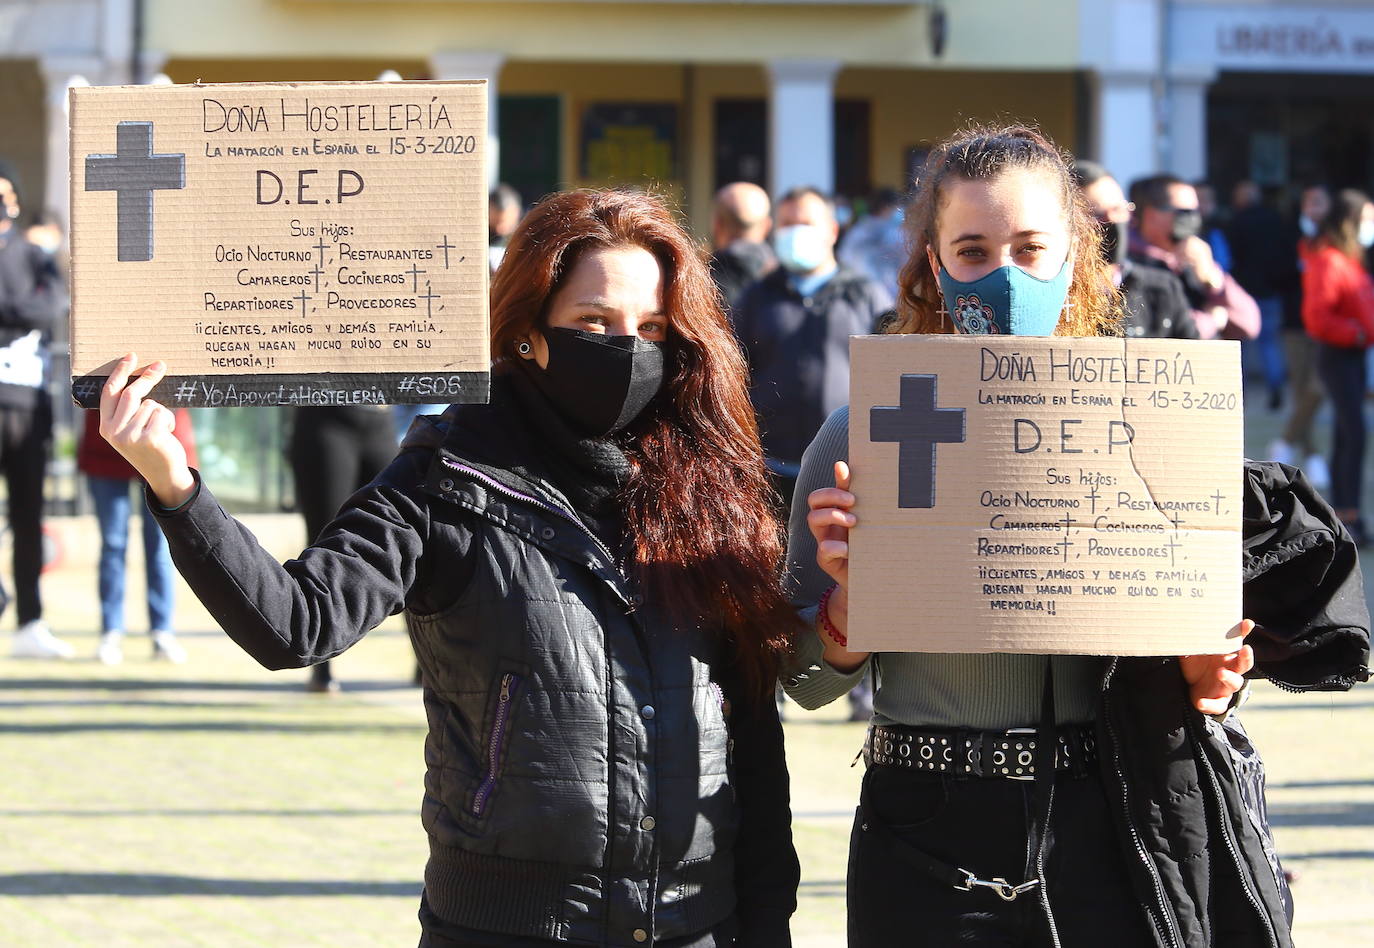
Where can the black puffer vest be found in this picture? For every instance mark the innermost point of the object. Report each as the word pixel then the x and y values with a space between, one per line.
pixel 577 782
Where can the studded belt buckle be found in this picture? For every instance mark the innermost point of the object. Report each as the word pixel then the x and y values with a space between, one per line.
pixel 1029 765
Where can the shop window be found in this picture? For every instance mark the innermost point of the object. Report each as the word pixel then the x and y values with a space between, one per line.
pixel 531 144
pixel 741 127
pixel 630 143
pixel 243 456
pixel 1285 130
pixel 741 142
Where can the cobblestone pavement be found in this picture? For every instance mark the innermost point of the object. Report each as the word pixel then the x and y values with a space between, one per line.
pixel 217 804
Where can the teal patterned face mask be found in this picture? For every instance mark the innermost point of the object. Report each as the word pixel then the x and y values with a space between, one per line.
pixel 1007 301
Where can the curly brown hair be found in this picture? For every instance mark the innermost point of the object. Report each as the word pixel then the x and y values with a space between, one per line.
pixel 983 153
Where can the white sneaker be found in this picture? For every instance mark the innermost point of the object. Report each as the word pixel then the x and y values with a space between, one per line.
pixel 167 648
pixel 111 648
pixel 1318 474
pixel 1281 451
pixel 35 640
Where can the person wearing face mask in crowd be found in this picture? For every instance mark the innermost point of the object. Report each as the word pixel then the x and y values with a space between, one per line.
pixel 1296 445
pixel 589 570
pixel 1338 310
pixel 740 223
pixel 1164 234
pixel 1113 836
pixel 795 325
pixel 31 301
pixel 1153 299
pixel 876 245
pixel 1314 203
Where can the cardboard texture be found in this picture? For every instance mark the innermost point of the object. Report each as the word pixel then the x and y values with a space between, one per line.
pixel 282 243
pixel 1045 495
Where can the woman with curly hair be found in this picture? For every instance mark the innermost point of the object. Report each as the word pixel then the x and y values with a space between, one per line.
pixel 964 851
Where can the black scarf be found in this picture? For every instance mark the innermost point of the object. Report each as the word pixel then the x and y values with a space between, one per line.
pixel 589 471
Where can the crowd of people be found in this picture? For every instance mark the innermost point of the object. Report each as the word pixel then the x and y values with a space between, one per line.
pixel 796 285
pixel 608 569
pixel 1290 287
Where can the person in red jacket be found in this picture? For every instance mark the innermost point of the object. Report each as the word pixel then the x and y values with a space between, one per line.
pixel 109 477
pixel 1338 311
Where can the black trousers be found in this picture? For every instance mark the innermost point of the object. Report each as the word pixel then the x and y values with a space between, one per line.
pixel 1345 377
pixel 335 451
pixel 25 434
pixel 981 825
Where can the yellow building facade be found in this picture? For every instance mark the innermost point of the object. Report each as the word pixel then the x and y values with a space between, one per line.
pixel 688 94
pixel 677 94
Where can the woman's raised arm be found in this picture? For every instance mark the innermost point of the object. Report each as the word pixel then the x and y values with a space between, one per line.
pixel 141 430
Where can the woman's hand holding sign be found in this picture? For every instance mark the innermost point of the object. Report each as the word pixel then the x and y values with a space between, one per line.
pixel 141 430
pixel 1214 679
pixel 830 520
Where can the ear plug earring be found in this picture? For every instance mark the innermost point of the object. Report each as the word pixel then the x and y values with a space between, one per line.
pixel 524 348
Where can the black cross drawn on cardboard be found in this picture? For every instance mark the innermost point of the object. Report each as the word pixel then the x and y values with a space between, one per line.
pixel 917 426
pixel 134 173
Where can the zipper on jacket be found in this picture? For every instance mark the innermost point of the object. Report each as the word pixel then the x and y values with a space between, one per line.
pixel 1251 896
pixel 1161 903
pixel 1040 873
pixel 496 742
pixel 1344 682
pixel 503 490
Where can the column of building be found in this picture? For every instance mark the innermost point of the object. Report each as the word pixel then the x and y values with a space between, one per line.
pixel 61 73
pixel 801 120
pixel 1148 114
pixel 1188 86
pixel 477 64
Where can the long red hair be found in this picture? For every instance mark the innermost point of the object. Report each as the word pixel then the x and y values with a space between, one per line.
pixel 698 505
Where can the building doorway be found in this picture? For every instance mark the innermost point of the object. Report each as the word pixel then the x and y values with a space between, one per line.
pixel 1285 130
pixel 741 151
pixel 531 130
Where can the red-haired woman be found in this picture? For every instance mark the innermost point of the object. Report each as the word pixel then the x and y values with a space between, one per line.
pixel 588 566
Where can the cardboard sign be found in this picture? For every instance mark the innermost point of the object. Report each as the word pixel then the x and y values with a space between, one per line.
pixel 1046 495
pixel 282 244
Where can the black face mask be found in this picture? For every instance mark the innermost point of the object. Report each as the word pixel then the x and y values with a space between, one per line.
pixel 600 383
pixel 1187 223
pixel 1115 240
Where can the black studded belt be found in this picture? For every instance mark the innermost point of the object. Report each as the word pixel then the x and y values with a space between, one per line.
pixel 964 753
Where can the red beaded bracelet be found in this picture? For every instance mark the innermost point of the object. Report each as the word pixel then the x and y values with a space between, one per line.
pixel 823 616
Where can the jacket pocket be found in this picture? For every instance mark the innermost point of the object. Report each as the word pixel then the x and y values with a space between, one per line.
pixel 508 689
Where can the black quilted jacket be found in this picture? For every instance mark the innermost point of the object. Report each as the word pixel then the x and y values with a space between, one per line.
pixel 1190 825
pixel 593 775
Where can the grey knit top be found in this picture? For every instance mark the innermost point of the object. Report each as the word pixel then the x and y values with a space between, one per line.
pixel 919 689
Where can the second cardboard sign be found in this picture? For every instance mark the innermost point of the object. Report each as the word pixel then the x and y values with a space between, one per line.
pixel 1073 496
